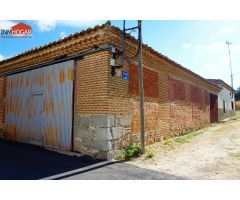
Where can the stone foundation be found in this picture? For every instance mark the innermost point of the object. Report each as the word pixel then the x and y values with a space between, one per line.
pixel 100 136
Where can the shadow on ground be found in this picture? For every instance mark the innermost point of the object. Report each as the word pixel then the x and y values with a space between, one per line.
pixel 24 161
pixel 122 171
pixel 20 161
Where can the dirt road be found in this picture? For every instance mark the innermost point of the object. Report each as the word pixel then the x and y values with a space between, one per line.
pixel 212 153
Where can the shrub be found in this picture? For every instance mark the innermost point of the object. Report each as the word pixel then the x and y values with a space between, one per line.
pixel 149 152
pixel 131 151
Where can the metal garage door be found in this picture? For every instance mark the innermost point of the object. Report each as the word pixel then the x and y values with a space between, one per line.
pixel 39 106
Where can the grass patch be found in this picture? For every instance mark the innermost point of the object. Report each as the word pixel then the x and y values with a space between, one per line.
pixel 185 138
pixel 181 139
pixel 169 142
pixel 235 155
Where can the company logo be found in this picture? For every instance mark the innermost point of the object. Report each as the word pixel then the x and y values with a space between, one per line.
pixel 20 30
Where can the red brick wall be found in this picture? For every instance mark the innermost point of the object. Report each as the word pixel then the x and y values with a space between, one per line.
pixel 190 112
pixel 206 97
pixel 170 106
pixel 151 93
pixel 92 84
pixel 150 80
pixel 195 94
pixel 151 116
pixel 176 90
pixel 169 109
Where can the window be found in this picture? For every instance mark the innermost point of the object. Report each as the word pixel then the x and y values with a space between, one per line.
pixel 176 90
pixel 224 109
pixel 195 94
pixel 232 105
pixel 150 80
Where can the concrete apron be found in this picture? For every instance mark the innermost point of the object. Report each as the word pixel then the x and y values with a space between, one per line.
pixel 100 136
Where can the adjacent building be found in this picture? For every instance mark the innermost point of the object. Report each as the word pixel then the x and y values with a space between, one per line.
pixel 226 99
pixel 66 95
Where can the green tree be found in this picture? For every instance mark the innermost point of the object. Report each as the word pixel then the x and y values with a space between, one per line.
pixel 237 94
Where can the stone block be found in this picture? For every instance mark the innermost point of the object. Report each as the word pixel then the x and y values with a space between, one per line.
pixel 117 132
pixel 85 122
pixel 102 133
pixel 123 121
pixel 103 145
pixel 102 121
pixel 112 155
pixel 77 120
pixel 80 132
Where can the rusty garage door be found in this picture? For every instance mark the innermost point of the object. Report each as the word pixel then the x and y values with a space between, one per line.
pixel 39 106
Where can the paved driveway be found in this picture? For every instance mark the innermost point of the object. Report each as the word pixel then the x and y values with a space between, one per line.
pixel 23 161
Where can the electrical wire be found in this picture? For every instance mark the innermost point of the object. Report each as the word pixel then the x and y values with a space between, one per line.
pixel 124 43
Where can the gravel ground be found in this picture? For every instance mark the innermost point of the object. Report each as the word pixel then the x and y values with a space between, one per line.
pixel 212 154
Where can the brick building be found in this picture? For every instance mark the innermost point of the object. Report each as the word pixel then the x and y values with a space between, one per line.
pixel 226 99
pixel 62 95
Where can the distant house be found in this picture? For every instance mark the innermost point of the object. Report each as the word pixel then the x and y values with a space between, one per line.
pixel 226 100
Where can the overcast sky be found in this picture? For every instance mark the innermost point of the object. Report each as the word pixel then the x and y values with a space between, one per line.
pixel 197 45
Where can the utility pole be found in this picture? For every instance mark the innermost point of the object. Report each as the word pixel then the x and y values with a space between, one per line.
pixel 141 91
pixel 140 74
pixel 230 64
pixel 123 44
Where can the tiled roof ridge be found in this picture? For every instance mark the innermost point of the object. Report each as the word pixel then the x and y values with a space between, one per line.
pixel 216 81
pixel 167 59
pixel 51 44
pixel 94 29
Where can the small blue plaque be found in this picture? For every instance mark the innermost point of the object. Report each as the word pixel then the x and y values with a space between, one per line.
pixel 125 75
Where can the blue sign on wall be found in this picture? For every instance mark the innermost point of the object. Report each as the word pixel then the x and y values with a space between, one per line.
pixel 125 75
